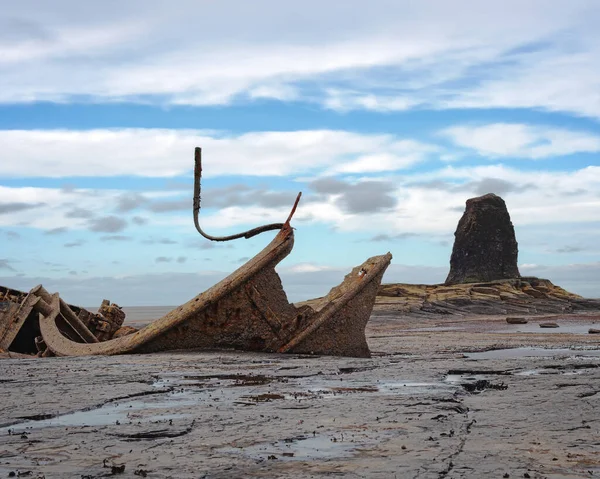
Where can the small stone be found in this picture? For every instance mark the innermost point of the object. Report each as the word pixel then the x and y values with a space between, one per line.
pixel 548 325
pixel 516 320
pixel 594 331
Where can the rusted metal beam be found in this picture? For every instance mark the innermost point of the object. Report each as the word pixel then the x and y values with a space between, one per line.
pixel 69 316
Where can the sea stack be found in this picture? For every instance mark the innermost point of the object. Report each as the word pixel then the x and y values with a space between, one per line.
pixel 485 248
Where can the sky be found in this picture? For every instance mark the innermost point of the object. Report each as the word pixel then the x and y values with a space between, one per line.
pixel 387 115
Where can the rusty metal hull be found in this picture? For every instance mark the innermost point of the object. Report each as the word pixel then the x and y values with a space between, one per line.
pixel 247 310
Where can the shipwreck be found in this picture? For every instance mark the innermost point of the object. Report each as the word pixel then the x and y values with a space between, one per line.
pixel 248 310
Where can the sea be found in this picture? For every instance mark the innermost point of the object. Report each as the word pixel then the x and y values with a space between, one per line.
pixel 144 314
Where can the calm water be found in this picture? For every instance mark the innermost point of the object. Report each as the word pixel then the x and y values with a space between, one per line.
pixel 137 314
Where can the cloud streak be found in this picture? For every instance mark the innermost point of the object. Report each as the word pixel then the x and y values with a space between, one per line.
pixel 397 56
pixel 167 153
pixel 506 140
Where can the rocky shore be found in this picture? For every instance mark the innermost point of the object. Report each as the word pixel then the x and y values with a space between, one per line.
pixel 428 404
pixel 520 296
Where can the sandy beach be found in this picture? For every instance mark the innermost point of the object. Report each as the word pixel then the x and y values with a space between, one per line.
pixel 426 405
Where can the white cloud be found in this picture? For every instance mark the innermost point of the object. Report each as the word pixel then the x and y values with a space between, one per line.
pixel 344 100
pixel 307 268
pixel 395 56
pixel 163 153
pixel 47 207
pixel 536 197
pixel 400 155
pixel 563 78
pixel 429 203
pixel 525 267
pixel 522 141
pixel 432 203
pixel 71 41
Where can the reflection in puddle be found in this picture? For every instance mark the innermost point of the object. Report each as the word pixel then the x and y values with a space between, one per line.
pixel 410 387
pixel 434 328
pixel 230 389
pixel 307 447
pixel 515 353
pixel 125 412
pixel 460 378
pixel 535 328
pixel 184 393
pixel 475 383
pixel 326 389
pixel 539 372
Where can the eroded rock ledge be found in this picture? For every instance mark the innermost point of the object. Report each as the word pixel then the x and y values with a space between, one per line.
pixel 526 295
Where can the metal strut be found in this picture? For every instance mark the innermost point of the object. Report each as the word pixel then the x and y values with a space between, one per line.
pixel 245 234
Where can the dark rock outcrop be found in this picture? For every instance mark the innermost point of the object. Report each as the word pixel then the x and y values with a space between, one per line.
pixel 485 248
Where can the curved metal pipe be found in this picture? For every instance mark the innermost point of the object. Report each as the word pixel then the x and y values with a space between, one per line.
pixel 245 234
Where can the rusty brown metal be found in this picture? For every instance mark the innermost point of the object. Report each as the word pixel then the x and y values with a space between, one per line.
pixel 19 320
pixel 247 310
pixel 196 208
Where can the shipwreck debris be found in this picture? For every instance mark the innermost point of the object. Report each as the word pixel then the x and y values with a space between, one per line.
pixel 247 310
pixel 20 327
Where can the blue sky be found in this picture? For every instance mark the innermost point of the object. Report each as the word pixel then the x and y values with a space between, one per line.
pixel 387 118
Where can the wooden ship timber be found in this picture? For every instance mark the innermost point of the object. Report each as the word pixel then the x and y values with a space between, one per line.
pixel 248 310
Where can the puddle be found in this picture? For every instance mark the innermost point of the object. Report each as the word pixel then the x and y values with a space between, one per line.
pixel 187 392
pixel 516 353
pixel 434 328
pixel 539 372
pixel 302 448
pixel 530 372
pixel 535 328
pixel 232 388
pixel 461 378
pixel 411 387
pixel 125 412
pixel 338 389
pixel 475 383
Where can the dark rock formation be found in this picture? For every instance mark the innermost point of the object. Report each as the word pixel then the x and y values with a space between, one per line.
pixel 485 248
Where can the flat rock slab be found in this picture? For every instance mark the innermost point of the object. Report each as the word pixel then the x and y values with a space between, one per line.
pixel 418 408
pixel 549 325
pixel 516 321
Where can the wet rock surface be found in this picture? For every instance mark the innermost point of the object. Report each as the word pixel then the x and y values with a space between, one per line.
pixel 418 408
pixel 485 246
